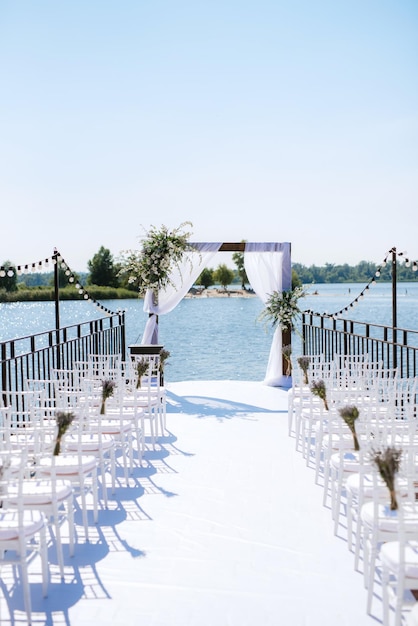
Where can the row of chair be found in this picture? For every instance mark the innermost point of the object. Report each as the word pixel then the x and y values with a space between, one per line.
pixel 61 440
pixel 343 455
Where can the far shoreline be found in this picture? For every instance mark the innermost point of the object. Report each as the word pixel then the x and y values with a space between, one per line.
pixel 219 293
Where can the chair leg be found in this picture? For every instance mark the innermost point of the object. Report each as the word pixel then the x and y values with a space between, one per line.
pixel 385 595
pixel 70 520
pixel 44 561
pixel 371 577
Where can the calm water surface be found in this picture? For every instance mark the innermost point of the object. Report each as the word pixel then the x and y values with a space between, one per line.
pixel 215 338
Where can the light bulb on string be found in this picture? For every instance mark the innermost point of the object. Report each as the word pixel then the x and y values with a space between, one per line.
pixel 10 273
pixel 2 272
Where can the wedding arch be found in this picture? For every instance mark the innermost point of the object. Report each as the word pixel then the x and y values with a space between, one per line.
pixel 268 267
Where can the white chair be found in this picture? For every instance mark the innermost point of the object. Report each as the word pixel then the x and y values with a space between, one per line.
pixel 399 560
pixel 86 442
pixel 80 469
pixel 142 400
pixel 379 523
pixel 22 531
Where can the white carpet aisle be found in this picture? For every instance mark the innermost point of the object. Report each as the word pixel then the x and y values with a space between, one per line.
pixel 223 526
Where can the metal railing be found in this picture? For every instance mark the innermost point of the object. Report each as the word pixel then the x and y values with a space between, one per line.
pixel 36 356
pixel 330 337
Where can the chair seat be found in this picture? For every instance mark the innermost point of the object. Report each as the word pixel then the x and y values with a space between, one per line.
pixel 368 488
pixel 39 492
pixel 113 427
pixel 68 464
pixel 387 520
pixel 89 442
pixel 348 460
pixel 10 528
pixel 389 554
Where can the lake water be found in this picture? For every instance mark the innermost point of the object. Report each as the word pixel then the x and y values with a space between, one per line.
pixel 216 338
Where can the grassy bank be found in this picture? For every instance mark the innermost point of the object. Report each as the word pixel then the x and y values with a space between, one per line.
pixel 35 294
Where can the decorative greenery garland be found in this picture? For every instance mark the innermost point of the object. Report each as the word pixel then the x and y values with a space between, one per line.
pixel 282 308
pixel 162 250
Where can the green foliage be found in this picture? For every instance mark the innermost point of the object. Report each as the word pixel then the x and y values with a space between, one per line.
pixel 206 278
pixel 161 251
pixel 223 275
pixel 282 308
pixel 360 273
pixel 9 281
pixel 102 269
pixel 238 259
pixel 35 294
pixel 296 281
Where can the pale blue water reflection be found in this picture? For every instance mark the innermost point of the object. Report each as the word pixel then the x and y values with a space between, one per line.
pixel 216 338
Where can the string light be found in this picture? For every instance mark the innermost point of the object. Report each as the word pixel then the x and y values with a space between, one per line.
pixel 56 258
pixel 372 282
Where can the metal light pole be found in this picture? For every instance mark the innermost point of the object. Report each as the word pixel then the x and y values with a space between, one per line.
pixel 394 311
pixel 57 305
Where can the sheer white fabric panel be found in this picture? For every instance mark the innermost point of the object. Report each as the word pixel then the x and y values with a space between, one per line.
pixel 268 268
pixel 182 278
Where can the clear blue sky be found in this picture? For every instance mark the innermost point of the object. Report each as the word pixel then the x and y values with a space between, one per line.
pixel 265 120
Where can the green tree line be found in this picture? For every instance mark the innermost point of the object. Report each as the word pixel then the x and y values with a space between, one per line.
pixel 360 273
pixel 106 280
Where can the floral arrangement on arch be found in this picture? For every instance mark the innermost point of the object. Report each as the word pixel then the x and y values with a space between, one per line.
pixel 281 308
pixel 162 249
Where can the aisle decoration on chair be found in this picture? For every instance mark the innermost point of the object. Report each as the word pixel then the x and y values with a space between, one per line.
pixel 304 363
pixel 64 420
pixel 319 389
pixel 164 355
pixel 350 414
pixel 108 387
pixel 388 462
pixel 141 367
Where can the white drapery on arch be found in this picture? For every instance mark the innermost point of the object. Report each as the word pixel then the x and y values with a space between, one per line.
pixel 182 279
pixel 269 269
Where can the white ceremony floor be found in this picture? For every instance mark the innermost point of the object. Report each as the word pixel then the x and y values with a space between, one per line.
pixel 223 526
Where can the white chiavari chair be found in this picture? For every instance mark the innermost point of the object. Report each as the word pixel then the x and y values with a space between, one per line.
pixel 22 530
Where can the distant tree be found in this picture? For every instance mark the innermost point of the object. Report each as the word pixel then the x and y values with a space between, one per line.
pixel 223 275
pixel 238 259
pixel 103 271
pixel 206 278
pixel 296 281
pixel 9 280
pixel 63 278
